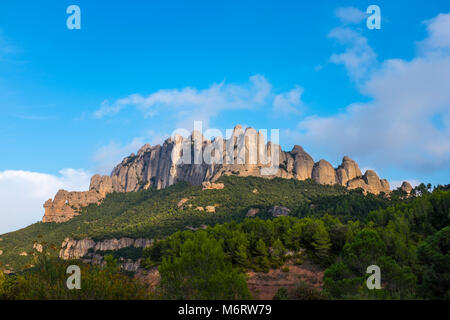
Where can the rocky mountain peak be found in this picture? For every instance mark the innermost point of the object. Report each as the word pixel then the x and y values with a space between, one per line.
pixel 197 160
pixel 347 171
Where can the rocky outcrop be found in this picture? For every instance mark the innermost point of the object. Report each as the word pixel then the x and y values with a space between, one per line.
pixel 90 251
pixel 347 171
pixel 252 212
pixel 370 182
pixel 406 187
pixel 77 249
pixel 200 161
pixel 278 211
pixel 212 186
pixel 303 163
pixel 182 202
pixel 324 173
pixel 38 247
pixel 130 265
pixel 66 205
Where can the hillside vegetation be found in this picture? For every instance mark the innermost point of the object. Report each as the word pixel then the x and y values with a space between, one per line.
pixel 406 237
pixel 409 241
pixel 342 231
pixel 156 214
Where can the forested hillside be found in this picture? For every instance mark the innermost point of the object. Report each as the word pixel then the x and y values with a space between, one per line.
pixel 409 241
pixel 339 230
pixel 156 213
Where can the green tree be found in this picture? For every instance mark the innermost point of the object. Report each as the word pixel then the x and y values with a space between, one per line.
pixel 339 281
pixel 364 250
pixel 278 250
pixel 398 281
pixel 201 271
pixel 434 254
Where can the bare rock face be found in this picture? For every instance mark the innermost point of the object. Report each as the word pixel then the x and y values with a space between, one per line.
pixel 303 163
pixel 66 204
pixel 212 186
pixel 103 184
pixel 77 249
pixel 407 187
pixel 370 182
pixel 38 247
pixel 348 170
pixel 182 202
pixel 385 186
pixel 323 173
pixel 199 161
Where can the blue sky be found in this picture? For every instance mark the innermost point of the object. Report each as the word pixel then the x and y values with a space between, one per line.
pixel 79 100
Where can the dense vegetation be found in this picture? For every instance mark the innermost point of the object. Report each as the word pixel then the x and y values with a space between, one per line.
pixel 155 213
pixel 47 280
pixel 341 231
pixel 409 242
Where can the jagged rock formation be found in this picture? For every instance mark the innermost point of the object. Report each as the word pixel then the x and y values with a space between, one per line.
pixel 76 249
pixel 198 161
pixel 370 182
pixel 66 204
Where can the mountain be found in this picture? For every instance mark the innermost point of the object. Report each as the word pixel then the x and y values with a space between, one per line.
pixel 197 160
pixel 154 214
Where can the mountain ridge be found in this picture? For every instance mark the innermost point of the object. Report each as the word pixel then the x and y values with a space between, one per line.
pixel 163 165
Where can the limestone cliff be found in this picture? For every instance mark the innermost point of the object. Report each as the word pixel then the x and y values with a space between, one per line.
pixel 197 160
pixel 66 204
pixel 90 251
pixel 77 249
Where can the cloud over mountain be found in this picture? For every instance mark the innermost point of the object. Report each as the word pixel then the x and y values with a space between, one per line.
pixel 23 192
pixel 407 121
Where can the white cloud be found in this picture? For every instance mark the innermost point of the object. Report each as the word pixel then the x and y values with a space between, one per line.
pixel 107 157
pixel 23 193
pixel 349 15
pixel 396 127
pixel 288 102
pixel 439 34
pixel 358 58
pixel 189 104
